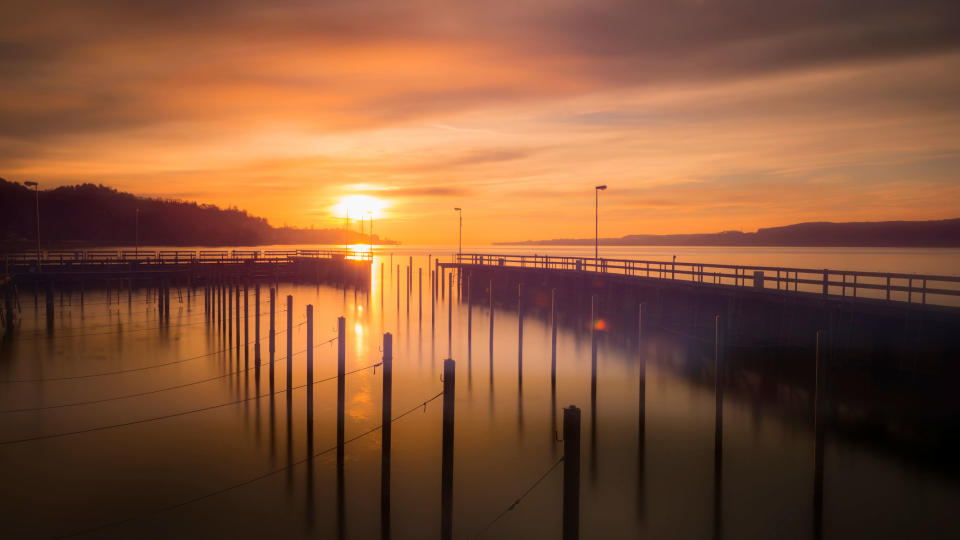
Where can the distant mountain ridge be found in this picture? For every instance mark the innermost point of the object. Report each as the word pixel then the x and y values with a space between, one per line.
pixel 89 214
pixel 939 233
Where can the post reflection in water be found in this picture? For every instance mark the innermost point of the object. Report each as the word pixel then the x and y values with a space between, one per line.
pixel 657 399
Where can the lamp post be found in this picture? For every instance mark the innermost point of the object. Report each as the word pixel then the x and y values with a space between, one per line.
pixel 36 191
pixel 460 238
pixel 596 224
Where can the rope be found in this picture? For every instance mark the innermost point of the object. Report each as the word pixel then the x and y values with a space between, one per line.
pixel 520 498
pixel 148 392
pixel 251 480
pixel 174 415
pixel 129 370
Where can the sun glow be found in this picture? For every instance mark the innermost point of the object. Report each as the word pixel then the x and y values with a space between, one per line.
pixel 359 207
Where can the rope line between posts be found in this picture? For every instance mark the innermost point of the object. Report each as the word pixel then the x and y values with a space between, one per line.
pixel 519 499
pixel 174 415
pixel 158 390
pixel 142 368
pixel 256 478
pixel 36 336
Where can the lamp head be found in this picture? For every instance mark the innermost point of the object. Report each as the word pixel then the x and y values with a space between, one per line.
pixel 30 184
pixel 601 188
pixel 458 209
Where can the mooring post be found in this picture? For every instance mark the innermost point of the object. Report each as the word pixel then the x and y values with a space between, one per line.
pixel 491 327
pixel 571 473
pixel 256 326
pixel 381 286
pixel 386 423
pixel 408 295
pixel 236 295
pixel 398 295
pixel 520 333
pixel 553 339
pixel 309 376
pixel 341 389
pixel 166 300
pixel 246 326
pixel 719 342
pixel 450 320
pixel 272 338
pixel 219 305
pixel 594 319
pixel 433 302
pixel 819 418
pixel 420 297
pixel 469 321
pixel 290 344
pixel 642 391
pixel 446 481
pixel 443 283
pixel 229 316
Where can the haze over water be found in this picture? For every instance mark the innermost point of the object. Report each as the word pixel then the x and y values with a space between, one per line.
pixel 505 435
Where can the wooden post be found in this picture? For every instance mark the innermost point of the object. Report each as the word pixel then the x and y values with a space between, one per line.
pixel 309 376
pixel 381 286
pixel 236 319
pixel 642 392
pixel 386 431
pixel 290 344
pixel 571 473
pixel 718 365
pixel 594 317
pixel 420 297
pixel 446 481
pixel 166 300
pixel 469 320
pixel 450 319
pixel 520 333
pixel 433 301
pixel 256 325
pixel 229 317
pixel 491 327
pixel 271 345
pixel 553 339
pixel 341 389
pixel 818 428
pixel 409 280
pixel 246 327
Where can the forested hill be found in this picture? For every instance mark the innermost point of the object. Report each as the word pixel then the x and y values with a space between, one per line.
pixel 89 214
pixel 940 233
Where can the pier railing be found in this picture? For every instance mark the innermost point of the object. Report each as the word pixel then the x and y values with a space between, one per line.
pixel 175 256
pixel 887 286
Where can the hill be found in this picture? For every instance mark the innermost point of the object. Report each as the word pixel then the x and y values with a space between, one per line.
pixel 941 233
pixel 89 214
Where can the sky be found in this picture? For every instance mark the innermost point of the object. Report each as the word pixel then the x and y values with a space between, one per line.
pixel 699 115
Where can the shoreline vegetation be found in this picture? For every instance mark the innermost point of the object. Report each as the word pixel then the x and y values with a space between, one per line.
pixel 88 215
pixel 939 233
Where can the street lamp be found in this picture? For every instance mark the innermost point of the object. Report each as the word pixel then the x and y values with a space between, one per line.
pixel 460 239
pixel 36 191
pixel 596 223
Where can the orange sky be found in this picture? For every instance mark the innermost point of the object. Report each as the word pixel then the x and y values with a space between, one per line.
pixel 700 116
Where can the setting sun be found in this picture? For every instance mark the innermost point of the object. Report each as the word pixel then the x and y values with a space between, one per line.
pixel 359 206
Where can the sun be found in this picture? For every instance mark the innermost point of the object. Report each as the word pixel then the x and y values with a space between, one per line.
pixel 359 206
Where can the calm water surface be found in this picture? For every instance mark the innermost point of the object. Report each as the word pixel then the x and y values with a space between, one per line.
pixel 206 472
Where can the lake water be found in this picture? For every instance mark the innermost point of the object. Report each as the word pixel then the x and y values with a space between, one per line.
pixel 205 450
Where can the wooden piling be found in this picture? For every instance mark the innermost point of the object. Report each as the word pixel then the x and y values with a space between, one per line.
pixel 491 327
pixel 386 423
pixel 229 317
pixel 469 321
pixel 290 344
pixel 236 295
pixel 571 473
pixel 246 326
pixel 718 365
pixel 271 346
pixel 553 339
pixel 520 333
pixel 642 391
pixel 818 431
pixel 446 479
pixel 256 325
pixel 50 312
pixel 309 373
pixel 420 297
pixel 450 321
pixel 341 388
pixel 594 319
